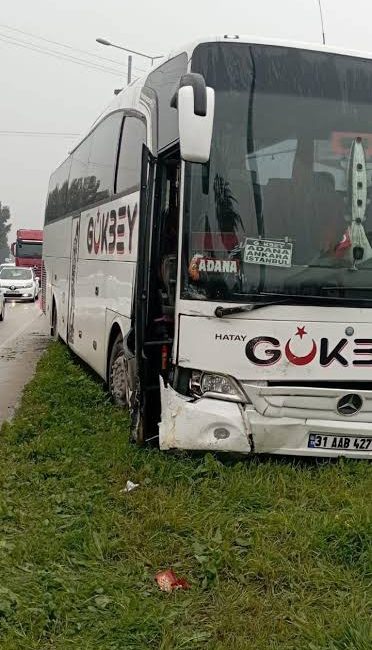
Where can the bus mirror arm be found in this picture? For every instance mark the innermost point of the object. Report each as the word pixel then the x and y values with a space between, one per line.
pixel 197 82
pixel 195 104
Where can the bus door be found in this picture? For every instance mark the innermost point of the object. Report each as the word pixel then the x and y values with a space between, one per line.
pixel 155 286
pixel 142 304
pixel 87 308
pixel 75 239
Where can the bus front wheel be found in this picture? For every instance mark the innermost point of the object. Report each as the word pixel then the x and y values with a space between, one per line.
pixel 121 394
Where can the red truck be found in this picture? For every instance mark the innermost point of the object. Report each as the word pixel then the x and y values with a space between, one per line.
pixel 28 249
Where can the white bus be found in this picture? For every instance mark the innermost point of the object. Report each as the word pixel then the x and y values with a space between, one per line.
pixel 207 249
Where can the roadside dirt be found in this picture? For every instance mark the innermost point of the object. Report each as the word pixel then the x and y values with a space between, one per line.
pixel 24 336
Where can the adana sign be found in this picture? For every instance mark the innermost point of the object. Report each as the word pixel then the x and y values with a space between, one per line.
pixel 267 252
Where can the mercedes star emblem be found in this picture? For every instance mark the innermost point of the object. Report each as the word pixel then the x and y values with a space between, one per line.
pixel 349 404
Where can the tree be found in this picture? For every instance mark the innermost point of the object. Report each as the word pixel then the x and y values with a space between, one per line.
pixel 227 215
pixel 4 230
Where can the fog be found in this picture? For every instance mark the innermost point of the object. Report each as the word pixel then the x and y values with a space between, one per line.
pixel 43 93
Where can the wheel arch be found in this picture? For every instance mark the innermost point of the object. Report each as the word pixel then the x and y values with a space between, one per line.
pixel 128 337
pixel 114 332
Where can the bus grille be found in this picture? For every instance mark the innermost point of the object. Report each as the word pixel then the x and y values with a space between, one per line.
pixel 308 402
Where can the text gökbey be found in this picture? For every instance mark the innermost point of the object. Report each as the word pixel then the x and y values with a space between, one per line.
pixel 112 231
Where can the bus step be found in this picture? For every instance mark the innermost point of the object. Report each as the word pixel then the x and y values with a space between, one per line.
pixel 148 344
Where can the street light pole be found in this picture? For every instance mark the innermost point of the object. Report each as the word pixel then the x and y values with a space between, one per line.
pixel 103 41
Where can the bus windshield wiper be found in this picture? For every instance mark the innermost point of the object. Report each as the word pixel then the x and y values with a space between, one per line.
pixel 220 311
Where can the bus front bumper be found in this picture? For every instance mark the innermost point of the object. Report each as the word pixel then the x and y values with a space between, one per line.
pixel 221 426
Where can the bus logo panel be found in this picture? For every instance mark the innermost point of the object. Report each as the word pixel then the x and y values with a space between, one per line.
pixel 112 230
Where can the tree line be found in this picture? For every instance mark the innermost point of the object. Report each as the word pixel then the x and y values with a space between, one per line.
pixel 4 231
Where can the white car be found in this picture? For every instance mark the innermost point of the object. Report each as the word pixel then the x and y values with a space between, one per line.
pixel 2 305
pixel 19 283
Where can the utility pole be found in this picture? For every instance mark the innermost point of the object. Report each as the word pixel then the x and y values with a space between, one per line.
pixel 130 59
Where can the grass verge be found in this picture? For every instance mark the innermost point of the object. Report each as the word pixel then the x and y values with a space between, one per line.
pixel 278 553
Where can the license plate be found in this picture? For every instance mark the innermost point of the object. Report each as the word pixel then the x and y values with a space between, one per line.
pixel 348 443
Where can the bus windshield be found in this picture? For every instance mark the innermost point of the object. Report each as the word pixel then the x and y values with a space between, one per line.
pixel 31 249
pixel 283 206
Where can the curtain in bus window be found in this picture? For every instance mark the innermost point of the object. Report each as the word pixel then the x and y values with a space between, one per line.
pixel 129 167
pixel 102 159
pixel 57 192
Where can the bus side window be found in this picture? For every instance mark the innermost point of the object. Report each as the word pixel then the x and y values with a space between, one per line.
pixel 78 176
pixel 93 165
pixel 102 158
pixel 56 206
pixel 128 176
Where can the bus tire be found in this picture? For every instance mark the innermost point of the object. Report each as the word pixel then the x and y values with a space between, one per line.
pixel 120 393
pixel 117 374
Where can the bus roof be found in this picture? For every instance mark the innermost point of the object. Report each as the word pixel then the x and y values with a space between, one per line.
pixel 129 97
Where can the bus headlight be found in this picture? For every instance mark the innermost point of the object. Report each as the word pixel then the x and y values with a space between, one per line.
pixel 210 384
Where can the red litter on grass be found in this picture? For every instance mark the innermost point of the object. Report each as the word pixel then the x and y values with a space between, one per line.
pixel 168 581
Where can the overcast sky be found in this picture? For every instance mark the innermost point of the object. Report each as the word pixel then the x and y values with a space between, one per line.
pixel 43 93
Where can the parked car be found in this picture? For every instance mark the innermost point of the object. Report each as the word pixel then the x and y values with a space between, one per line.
pixel 2 305
pixel 19 283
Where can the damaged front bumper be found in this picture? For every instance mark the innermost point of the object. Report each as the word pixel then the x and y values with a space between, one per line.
pixel 220 426
pixel 205 424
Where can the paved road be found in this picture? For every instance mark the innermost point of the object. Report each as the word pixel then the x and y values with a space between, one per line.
pixel 23 337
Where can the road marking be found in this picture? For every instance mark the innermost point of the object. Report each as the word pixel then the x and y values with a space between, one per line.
pixel 19 331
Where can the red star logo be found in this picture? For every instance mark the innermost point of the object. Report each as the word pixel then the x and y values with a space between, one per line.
pixel 301 332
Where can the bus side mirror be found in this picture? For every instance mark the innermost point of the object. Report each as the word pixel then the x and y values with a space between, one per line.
pixel 195 104
pixel 12 249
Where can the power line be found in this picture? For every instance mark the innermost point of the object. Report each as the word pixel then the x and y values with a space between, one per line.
pixel 66 57
pixel 41 134
pixel 70 47
pixel 35 48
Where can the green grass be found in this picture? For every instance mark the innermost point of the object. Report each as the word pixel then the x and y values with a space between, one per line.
pixel 278 553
